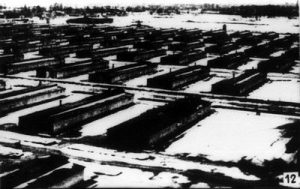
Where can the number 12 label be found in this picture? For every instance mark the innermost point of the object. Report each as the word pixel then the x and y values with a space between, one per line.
pixel 291 179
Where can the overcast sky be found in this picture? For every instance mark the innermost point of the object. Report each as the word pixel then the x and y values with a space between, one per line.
pixel 17 3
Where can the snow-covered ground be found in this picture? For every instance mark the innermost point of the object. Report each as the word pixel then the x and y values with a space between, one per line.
pixel 112 176
pixel 277 53
pixel 14 116
pixel 100 126
pixel 279 90
pixel 252 64
pixel 201 21
pixel 296 68
pixel 226 135
pixel 142 80
pixel 203 85
pixel 148 160
pixel 70 60
pixel 230 135
pixel 28 138
pixel 31 55
pixel 6 151
pixel 203 62
pixel 71 97
pixel 212 21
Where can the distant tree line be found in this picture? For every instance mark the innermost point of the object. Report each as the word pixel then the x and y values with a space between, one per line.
pixel 245 11
pixel 39 11
pixel 25 11
pixel 109 10
pixel 262 10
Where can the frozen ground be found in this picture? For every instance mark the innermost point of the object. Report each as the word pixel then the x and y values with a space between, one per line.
pixel 279 90
pixel 252 64
pixel 112 176
pixel 203 61
pixel 14 84
pixel 277 54
pixel 148 160
pixel 230 135
pixel 201 21
pixel 212 21
pixel 70 60
pixel 100 126
pixel 296 68
pixel 203 85
pixel 31 55
pixel 226 135
pixel 14 116
pixel 142 80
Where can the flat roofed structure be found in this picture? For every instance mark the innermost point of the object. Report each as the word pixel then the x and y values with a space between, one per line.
pixel 8 58
pixel 183 58
pixel 103 52
pixel 67 116
pixel 140 55
pixel 147 44
pixel 160 35
pixel 2 85
pixel 221 48
pixel 278 63
pixel 123 73
pixel 110 43
pixel 159 124
pixel 215 36
pixel 31 169
pixel 188 35
pixel 61 51
pixel 240 85
pixel 63 177
pixel 241 34
pixel 283 42
pixel 30 64
pixel 183 46
pixel 73 69
pixel 263 49
pixel 229 61
pixel 18 99
pixel 179 78
pixel 89 20
pixel 293 52
pixel 251 40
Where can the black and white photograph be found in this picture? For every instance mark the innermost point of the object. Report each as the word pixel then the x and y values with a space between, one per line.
pixel 149 94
